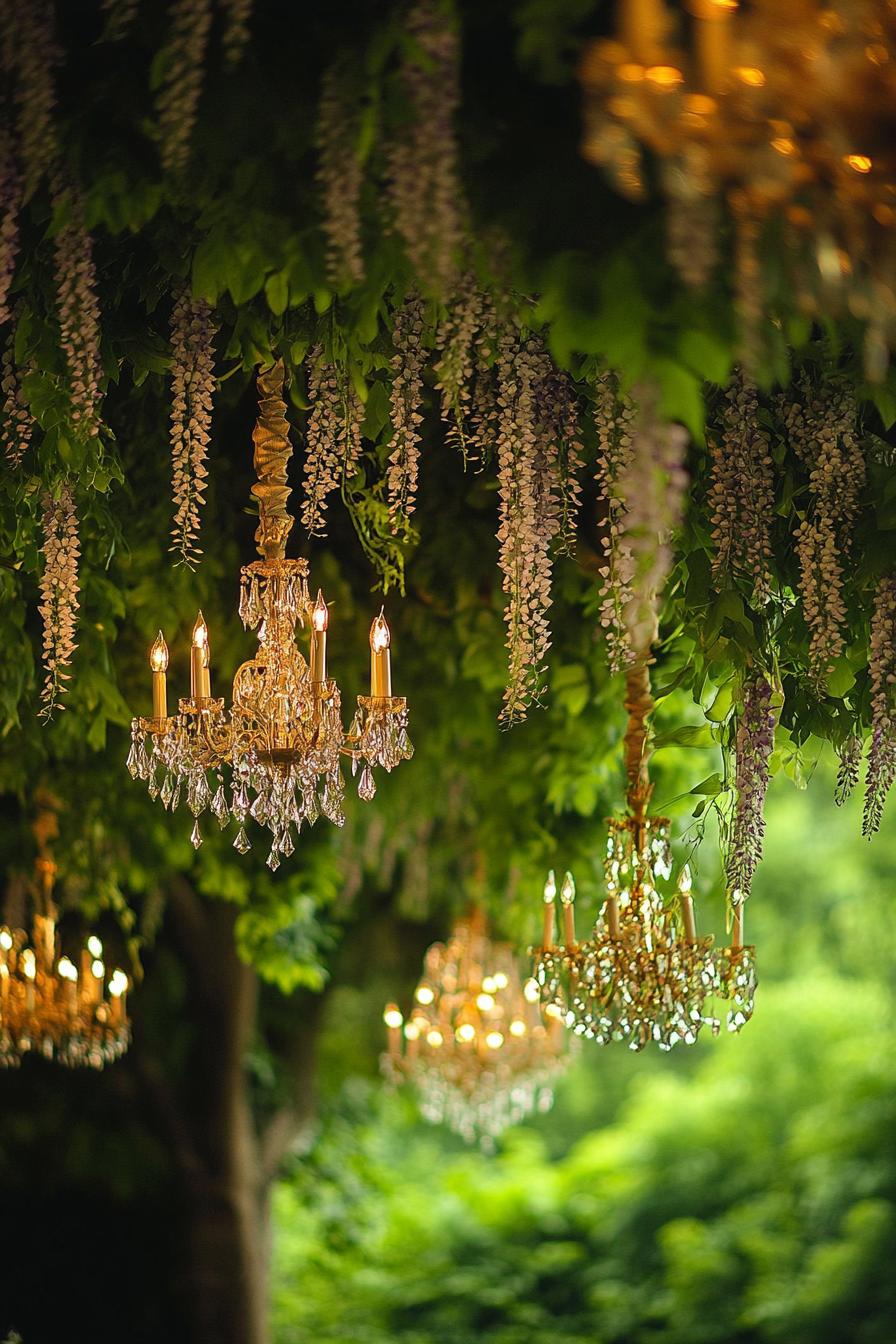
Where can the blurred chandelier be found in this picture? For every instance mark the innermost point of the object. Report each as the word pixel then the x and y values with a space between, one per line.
pixel 282 739
pixel 643 975
pixel 475 1045
pixel 783 109
pixel 49 1005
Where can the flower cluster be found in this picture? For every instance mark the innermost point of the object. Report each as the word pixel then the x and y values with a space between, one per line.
pixel 821 426
pixel 538 458
pixel 340 178
pixel 16 420
pixel 692 219
pixel 10 202
pixel 882 669
pixel 741 493
pixel 753 745
pixel 849 756
pixel 30 57
pixel 59 594
pixel 237 14
pixel 613 416
pixel 407 385
pixel 424 187
pixel 192 395
pixel 466 340
pixel 332 438
pixel 120 15
pixel 79 310
pixel 178 98
pixel 652 486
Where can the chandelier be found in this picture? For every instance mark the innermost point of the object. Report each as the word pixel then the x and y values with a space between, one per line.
pixel 281 742
pixel 644 974
pixel 476 1045
pixel 75 1013
pixel 781 110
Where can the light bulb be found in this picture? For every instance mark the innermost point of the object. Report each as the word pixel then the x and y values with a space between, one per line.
pixel 118 984
pixel 425 994
pixel 380 638
pixel 485 1003
pixel 434 1038
pixel 200 635
pixel 67 969
pixel 98 969
pixel 411 1031
pixel 494 1040
pixel 550 888
pixel 29 966
pixel 158 654
pixel 94 946
pixel 500 980
pixel 320 616
pixel 392 1016
pixel 553 1010
pixel 466 1032
pixel 5 940
pixel 517 1027
pixel 531 992
pixel 684 880
pixel 489 984
pixel 568 890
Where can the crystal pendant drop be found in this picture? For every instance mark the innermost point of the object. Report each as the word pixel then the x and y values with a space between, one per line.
pixel 167 790
pixel 132 760
pixel 220 810
pixel 196 835
pixel 366 784
pixel 242 843
pixel 273 859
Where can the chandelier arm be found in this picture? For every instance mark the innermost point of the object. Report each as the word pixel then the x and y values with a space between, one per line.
pixel 271 457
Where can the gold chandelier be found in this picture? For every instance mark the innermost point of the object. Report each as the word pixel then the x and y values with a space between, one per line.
pixel 282 739
pixel 783 110
pixel 643 975
pixel 476 1046
pixel 75 1013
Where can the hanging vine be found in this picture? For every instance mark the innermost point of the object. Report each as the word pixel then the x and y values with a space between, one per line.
pixel 340 178
pixel 10 204
pixel 407 386
pixel 59 595
pixel 424 188
pixel 235 38
pixel 17 422
pixel 882 669
pixel 753 746
pixel 79 310
pixel 332 438
pixel 31 55
pixel 177 99
pixel 613 417
pixel 741 493
pixel 192 396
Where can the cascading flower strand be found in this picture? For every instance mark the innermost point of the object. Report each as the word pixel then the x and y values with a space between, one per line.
pixel 177 100
pixel 17 422
pixel 120 16
pixel 332 438
pixel 753 746
pixel 407 386
pixel 849 756
pixel 235 38
pixel 59 595
pixel 560 423
pixel 424 186
pixel 882 669
pixel 340 178
pixel 10 204
pixel 192 396
pixel 613 417
pixel 741 493
pixel 31 55
pixel 78 307
pixel 821 426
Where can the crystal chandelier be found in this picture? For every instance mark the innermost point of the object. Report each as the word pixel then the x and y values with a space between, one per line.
pixel 49 1005
pixel 643 975
pixel 476 1046
pixel 781 110
pixel 281 741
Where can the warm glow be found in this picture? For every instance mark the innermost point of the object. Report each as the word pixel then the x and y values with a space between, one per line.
pixel 500 980
pixel 517 1027
pixel 67 969
pixel 29 965
pixel 118 984
pixel 485 1003
pixel 553 1010
pixel 466 1032
pixel 489 984
pixel 380 638
pixel 94 946
pixel 684 880
pixel 98 969
pixel 411 1031
pixel 630 73
pixel 494 1040
pixel 5 939
pixel 434 1038
pixel 158 654
pixel 859 163
pixel 425 994
pixel 200 634
pixel 664 76
pixel 751 75
pixel 320 616
pixel 568 890
pixel 783 145
pixel 550 888
pixel 531 992
pixel 392 1016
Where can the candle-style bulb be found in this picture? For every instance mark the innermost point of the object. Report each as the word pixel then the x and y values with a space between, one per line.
pixel 568 890
pixel 550 888
pixel 320 616
pixel 158 654
pixel 200 637
pixel 380 637
pixel 392 1016
pixel 685 882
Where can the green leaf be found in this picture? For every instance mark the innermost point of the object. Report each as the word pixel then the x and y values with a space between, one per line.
pixel 276 290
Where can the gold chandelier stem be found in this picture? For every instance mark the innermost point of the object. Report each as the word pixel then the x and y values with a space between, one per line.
pixel 639 704
pixel 272 453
